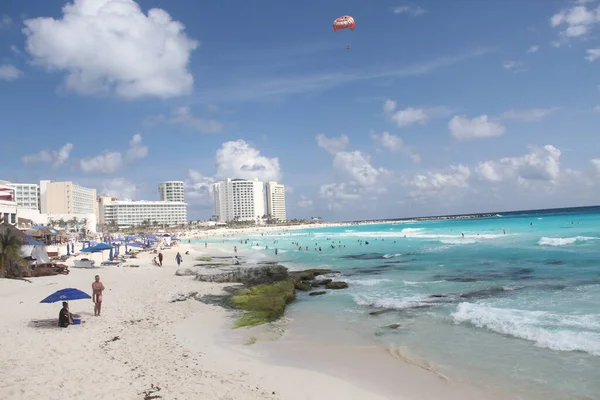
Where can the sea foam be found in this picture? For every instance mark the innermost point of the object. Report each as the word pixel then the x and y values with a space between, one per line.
pixel 548 241
pixel 556 332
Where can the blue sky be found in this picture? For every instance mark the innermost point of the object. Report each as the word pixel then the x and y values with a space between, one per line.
pixel 438 107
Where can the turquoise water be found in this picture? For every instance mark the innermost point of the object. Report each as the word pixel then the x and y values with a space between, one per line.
pixel 515 303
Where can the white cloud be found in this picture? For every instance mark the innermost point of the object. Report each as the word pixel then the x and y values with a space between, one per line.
pixel 412 10
pixel 531 115
pixel 199 188
pixel 333 145
pixel 357 166
pixel 183 116
pixel 56 158
pixel 406 117
pixel 120 188
pixel 238 159
pixel 577 21
pixel 464 128
pixel 432 183
pixel 105 163
pixel 540 164
pixel 533 49
pixel 305 202
pixel 514 66
pixel 110 162
pixel 596 163
pixel 111 46
pixel 10 72
pixel 394 144
pixel 136 149
pixel 592 54
pixel 339 195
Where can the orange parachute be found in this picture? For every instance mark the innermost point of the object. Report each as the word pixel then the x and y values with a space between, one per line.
pixel 344 22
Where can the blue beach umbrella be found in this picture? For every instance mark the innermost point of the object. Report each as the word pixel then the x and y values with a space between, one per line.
pixel 66 295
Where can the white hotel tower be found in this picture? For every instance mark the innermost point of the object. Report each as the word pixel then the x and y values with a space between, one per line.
pixel 171 191
pixel 239 199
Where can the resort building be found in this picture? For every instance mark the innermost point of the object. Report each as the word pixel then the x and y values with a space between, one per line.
pixel 27 195
pixel 171 191
pixel 102 202
pixel 126 213
pixel 276 201
pixel 8 205
pixel 66 198
pixel 239 200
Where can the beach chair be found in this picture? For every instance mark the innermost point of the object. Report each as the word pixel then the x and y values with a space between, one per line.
pixel 107 263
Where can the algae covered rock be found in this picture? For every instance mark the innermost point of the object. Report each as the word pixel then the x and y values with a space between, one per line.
pixel 263 303
pixel 321 282
pixel 302 285
pixel 309 274
pixel 256 275
pixel 317 293
pixel 336 285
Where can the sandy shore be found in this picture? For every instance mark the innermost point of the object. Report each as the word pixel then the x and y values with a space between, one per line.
pixel 144 341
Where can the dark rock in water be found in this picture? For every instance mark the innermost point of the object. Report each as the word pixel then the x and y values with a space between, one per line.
pixel 310 274
pixel 302 285
pixel 364 256
pixel 379 312
pixel 459 279
pixel 336 285
pixel 555 262
pixel 436 296
pixel 369 271
pixel 551 286
pixel 255 275
pixel 321 282
pixel 487 293
pixel 393 326
pixel 317 293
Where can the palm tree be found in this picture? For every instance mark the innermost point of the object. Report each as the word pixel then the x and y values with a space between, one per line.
pixel 10 246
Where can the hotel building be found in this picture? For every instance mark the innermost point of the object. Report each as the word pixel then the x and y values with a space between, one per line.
pixel 66 198
pixel 27 195
pixel 8 205
pixel 239 200
pixel 171 191
pixel 126 213
pixel 276 201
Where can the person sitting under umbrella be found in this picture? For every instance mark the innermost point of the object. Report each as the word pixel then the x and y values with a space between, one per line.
pixel 65 318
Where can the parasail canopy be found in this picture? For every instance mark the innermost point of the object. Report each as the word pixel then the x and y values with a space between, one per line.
pixel 344 22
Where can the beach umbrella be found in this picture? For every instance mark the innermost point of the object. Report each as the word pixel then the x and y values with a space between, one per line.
pixel 66 295
pixel 110 255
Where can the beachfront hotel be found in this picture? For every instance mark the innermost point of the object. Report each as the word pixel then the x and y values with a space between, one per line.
pixel 66 198
pixel 27 195
pixel 239 200
pixel 171 191
pixel 126 213
pixel 8 205
pixel 276 201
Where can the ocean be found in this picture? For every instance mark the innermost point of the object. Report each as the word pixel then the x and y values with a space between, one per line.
pixel 511 301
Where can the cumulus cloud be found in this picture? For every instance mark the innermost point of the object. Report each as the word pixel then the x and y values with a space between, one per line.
pixel 199 189
pixel 357 166
pixel 9 72
pixel 339 195
pixel 592 54
pixel 576 21
pixel 406 117
pixel 133 54
pixel 533 49
pixel 183 116
pixel 54 157
pixel 463 128
pixel 596 163
pixel 394 144
pixel 412 10
pixel 110 162
pixel 432 183
pixel 540 164
pixel 305 202
pixel 239 159
pixel 120 188
pixel 333 145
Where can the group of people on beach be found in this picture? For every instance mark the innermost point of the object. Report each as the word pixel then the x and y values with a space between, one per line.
pixel 65 318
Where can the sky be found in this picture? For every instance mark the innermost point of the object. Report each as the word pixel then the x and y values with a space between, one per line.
pixel 428 107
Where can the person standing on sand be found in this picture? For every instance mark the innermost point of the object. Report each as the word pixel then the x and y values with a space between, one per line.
pixel 178 259
pixel 160 258
pixel 97 289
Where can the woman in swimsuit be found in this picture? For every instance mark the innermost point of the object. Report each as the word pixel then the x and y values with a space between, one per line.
pixel 97 288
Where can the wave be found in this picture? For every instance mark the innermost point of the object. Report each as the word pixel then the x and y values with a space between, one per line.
pixel 394 303
pixel 418 233
pixel 458 241
pixel 391 255
pixel 499 215
pixel 365 282
pixel 410 283
pixel 552 331
pixel 547 241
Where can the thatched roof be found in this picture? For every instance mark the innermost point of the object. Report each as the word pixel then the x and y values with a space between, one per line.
pixel 4 227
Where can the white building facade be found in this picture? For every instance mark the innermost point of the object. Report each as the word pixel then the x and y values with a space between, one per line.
pixel 66 198
pixel 275 193
pixel 136 212
pixel 239 200
pixel 8 205
pixel 171 191
pixel 27 195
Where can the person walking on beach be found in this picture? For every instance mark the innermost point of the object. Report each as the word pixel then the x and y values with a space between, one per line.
pixel 235 249
pixel 160 258
pixel 178 258
pixel 97 289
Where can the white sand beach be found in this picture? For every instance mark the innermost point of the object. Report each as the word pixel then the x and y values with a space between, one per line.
pixel 143 341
